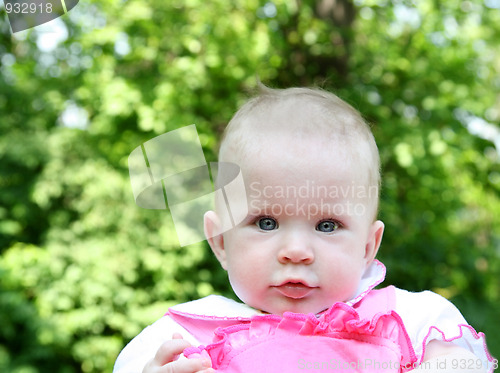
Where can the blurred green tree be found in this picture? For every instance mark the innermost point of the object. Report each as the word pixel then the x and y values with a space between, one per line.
pixel 83 269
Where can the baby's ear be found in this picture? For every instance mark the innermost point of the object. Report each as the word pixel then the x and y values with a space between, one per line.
pixel 212 225
pixel 374 239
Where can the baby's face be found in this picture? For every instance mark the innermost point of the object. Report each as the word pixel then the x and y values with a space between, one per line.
pixel 309 233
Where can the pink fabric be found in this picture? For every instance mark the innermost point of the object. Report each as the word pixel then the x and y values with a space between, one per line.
pixel 338 339
pixel 490 365
pixel 202 327
pixel 261 343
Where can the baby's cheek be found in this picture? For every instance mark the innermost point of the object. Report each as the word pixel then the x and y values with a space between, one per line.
pixel 350 285
pixel 239 280
pixel 343 282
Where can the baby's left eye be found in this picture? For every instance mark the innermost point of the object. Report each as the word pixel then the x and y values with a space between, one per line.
pixel 267 224
pixel 327 226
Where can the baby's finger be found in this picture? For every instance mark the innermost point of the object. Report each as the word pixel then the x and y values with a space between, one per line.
pixel 188 366
pixel 170 350
pixel 176 336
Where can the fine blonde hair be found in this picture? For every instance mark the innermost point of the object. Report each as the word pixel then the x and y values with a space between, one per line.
pixel 327 115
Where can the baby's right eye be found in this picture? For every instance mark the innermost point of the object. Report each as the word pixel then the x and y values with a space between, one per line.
pixel 267 224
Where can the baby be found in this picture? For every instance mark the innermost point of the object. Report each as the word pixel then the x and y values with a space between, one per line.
pixel 303 261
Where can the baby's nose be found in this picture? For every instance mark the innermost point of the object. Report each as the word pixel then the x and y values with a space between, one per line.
pixel 296 249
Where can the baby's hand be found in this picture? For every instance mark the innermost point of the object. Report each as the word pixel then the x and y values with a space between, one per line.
pixel 166 361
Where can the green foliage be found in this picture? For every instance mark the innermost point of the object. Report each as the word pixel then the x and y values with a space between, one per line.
pixel 83 269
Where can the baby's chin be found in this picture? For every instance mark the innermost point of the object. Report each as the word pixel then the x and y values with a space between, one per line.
pixel 295 307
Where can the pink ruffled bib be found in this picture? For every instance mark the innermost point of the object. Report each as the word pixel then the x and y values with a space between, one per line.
pixel 343 338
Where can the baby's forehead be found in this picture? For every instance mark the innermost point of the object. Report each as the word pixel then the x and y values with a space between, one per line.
pixel 297 150
pixel 287 156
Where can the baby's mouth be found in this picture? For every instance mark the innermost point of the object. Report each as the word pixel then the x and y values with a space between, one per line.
pixel 294 290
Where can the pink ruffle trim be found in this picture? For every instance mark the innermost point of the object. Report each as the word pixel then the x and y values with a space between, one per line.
pixel 340 321
pixel 479 348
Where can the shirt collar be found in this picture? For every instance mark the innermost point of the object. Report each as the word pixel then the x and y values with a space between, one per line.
pixel 373 276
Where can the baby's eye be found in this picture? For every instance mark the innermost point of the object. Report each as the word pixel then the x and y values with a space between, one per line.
pixel 327 226
pixel 267 224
